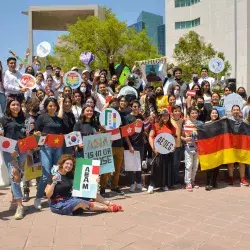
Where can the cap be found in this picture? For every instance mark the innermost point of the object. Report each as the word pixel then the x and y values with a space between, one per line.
pixel 85 71
pixel 164 112
pixel 74 68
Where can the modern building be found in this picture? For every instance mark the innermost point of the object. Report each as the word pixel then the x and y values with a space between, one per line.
pixel 154 27
pixel 57 18
pixel 223 23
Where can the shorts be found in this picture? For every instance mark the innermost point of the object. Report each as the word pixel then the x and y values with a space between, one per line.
pixel 65 207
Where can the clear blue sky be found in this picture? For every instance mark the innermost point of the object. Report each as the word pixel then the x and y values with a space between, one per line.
pixel 14 25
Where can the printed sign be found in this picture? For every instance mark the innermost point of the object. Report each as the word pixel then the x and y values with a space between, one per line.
pixel 98 147
pixel 164 143
pixel 85 180
pixel 27 81
pixel 110 119
pixel 221 111
pixel 43 49
pixel 216 65
pixel 233 99
pixel 72 79
pixel 73 139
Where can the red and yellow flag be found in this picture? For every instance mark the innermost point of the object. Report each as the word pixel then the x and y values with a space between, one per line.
pixel 54 141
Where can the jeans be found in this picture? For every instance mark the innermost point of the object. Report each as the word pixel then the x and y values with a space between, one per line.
pixel 49 157
pixel 12 163
pixel 2 102
pixel 118 153
pixel 177 163
pixel 191 165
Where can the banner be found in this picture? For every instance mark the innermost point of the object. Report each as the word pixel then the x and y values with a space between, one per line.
pixel 98 147
pixel 85 179
pixel 223 142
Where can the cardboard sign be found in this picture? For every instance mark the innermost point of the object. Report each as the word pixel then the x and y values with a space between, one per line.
pixel 72 79
pixel 85 180
pixel 98 147
pixel 32 169
pixel 110 119
pixel 43 49
pixel 27 81
pixel 132 162
pixel 164 143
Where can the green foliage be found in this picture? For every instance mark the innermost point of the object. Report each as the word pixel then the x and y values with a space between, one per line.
pixel 103 38
pixel 193 53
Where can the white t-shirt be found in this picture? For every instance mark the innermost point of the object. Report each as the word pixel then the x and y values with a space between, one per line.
pixel 77 111
pixel 11 82
pixel 207 98
pixel 245 111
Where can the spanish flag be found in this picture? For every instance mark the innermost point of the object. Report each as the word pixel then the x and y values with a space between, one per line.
pixel 223 142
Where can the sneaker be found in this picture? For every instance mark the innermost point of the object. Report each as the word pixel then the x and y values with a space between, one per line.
pixel 195 186
pixel 150 189
pixel 132 188
pixel 19 213
pixel 26 197
pixel 140 187
pixel 230 181
pixel 208 188
pixel 165 188
pixel 37 203
pixel 189 187
pixel 117 190
pixel 103 193
pixel 244 182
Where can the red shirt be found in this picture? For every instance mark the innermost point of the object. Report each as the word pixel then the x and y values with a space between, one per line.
pixel 164 129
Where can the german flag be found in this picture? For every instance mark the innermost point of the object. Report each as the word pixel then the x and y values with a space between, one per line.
pixel 223 142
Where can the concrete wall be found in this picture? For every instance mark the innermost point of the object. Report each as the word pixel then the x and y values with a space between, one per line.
pixel 218 27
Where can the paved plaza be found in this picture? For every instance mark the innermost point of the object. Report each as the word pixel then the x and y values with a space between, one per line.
pixel 219 219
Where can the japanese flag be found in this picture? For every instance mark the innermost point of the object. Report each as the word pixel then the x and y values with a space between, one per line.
pixel 73 139
pixel 7 145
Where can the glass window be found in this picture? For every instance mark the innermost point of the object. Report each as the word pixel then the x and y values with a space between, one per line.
pixel 187 24
pixel 184 3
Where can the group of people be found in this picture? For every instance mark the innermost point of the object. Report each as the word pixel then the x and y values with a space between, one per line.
pixel 54 108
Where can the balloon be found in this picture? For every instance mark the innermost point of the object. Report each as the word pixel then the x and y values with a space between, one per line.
pixel 87 58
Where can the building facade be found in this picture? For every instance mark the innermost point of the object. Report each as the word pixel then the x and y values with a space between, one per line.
pixel 223 23
pixel 154 27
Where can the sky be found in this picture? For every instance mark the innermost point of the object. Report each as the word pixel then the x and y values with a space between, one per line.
pixel 14 25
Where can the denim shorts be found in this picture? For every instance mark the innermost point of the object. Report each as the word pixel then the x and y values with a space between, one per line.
pixel 65 207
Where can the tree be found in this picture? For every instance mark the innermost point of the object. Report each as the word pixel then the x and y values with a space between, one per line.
pixel 103 38
pixel 193 53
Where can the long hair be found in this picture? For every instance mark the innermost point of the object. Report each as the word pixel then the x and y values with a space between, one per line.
pixel 169 123
pixel 7 112
pixel 83 118
pixel 202 88
pixel 150 104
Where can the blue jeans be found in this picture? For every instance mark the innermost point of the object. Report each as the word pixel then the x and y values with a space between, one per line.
pixel 12 163
pixel 177 163
pixel 2 101
pixel 49 157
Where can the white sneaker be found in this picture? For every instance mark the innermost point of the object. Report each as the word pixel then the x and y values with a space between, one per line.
pixel 150 189
pixel 37 204
pixel 19 213
pixel 132 188
pixel 165 188
pixel 140 187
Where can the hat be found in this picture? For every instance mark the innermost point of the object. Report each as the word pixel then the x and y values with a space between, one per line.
pixel 164 112
pixel 85 71
pixel 74 68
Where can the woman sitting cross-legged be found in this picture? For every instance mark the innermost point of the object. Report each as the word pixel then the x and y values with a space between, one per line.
pixel 59 192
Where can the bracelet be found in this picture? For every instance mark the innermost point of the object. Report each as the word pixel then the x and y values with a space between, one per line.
pixel 54 182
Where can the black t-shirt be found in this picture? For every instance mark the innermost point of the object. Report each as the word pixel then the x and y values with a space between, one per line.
pixel 120 142
pixel 68 122
pixel 49 124
pixel 14 128
pixel 137 139
pixel 86 128
pixel 63 188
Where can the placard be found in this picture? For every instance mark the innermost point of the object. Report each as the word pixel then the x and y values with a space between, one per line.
pixel 110 119
pixel 164 143
pixel 85 180
pixel 233 99
pixel 221 111
pixel 132 162
pixel 98 147
pixel 27 81
pixel 216 65
pixel 72 79
pixel 43 49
